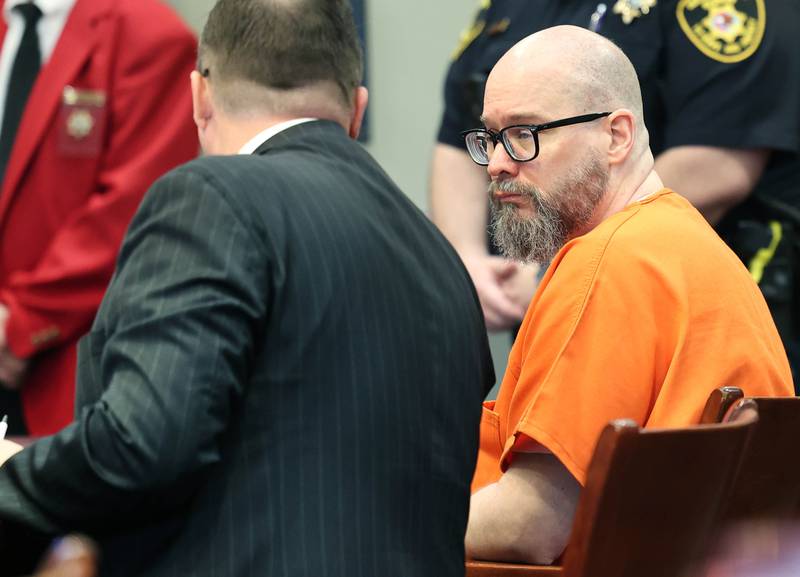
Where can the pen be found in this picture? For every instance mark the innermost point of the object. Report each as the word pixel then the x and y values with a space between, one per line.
pixel 597 17
pixel 3 427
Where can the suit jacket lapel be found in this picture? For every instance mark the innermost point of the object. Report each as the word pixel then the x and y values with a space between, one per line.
pixel 79 36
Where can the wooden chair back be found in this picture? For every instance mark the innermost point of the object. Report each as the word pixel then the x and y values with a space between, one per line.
pixel 650 502
pixel 652 497
pixel 767 486
pixel 719 403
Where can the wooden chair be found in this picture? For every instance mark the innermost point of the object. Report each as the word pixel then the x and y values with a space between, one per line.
pixel 650 501
pixel 767 486
pixel 719 403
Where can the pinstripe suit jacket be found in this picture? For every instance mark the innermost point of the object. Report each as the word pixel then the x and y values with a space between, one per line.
pixel 284 378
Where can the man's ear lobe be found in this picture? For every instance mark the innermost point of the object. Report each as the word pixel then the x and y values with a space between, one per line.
pixel 360 99
pixel 622 124
pixel 201 101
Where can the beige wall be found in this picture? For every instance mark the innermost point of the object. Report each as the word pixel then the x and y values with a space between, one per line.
pixel 194 11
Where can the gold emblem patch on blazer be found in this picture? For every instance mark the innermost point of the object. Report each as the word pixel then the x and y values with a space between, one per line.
pixel 630 10
pixel 80 123
pixel 724 30
pixel 82 118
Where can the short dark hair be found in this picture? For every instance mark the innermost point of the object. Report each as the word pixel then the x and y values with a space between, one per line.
pixel 283 44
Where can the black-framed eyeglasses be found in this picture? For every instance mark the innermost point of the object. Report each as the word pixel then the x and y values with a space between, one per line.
pixel 521 141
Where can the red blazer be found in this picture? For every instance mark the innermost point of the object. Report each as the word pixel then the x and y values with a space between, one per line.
pixel 76 175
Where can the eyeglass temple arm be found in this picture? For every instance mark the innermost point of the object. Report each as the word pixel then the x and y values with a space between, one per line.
pixel 568 121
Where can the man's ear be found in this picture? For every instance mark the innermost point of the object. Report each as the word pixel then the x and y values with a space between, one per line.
pixel 622 124
pixel 201 101
pixel 360 98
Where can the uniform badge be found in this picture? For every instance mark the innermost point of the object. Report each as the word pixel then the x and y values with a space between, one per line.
pixel 81 120
pixel 724 30
pixel 630 10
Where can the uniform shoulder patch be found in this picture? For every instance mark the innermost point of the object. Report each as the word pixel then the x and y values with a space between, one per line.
pixel 469 35
pixel 630 10
pixel 724 30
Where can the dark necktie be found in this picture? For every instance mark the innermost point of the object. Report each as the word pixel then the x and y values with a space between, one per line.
pixel 23 75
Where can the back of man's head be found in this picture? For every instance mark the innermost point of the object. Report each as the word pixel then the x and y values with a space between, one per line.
pixel 283 57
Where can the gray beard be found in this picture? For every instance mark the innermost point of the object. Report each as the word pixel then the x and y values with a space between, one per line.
pixel 558 216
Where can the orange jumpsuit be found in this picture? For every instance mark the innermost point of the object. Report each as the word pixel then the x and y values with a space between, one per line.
pixel 640 318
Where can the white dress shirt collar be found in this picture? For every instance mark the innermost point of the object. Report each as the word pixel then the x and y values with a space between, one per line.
pixel 49 28
pixel 48 7
pixel 252 145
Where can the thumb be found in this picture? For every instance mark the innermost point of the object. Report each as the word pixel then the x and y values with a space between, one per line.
pixel 503 268
pixel 72 556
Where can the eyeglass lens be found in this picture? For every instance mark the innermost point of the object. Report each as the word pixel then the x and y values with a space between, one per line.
pixel 520 143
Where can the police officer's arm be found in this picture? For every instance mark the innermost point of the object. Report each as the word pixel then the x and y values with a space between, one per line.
pixel 714 179
pixel 730 87
pixel 459 199
pixel 458 207
pixel 527 515
pixel 458 188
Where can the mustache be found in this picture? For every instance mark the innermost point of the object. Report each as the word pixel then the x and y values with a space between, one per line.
pixel 512 187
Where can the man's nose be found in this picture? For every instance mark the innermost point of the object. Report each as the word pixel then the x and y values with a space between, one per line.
pixel 501 164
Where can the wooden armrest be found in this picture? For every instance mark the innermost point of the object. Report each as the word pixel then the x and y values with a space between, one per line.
pixel 496 569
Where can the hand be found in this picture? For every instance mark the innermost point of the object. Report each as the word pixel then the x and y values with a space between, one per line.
pixel 490 274
pixel 72 556
pixel 7 450
pixel 12 368
pixel 521 286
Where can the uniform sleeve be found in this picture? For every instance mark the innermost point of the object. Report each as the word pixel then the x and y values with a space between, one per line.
pixel 151 131
pixel 731 74
pixel 592 357
pixel 171 351
pixel 462 89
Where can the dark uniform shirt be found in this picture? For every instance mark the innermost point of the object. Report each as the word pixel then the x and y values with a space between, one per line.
pixel 726 77
pixel 722 73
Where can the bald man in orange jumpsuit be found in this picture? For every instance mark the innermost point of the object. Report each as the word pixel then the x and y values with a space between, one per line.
pixel 642 312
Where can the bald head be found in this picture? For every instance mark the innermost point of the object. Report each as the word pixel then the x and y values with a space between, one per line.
pixel 587 170
pixel 568 71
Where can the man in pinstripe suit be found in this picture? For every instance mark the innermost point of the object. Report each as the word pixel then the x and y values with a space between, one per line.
pixel 285 375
